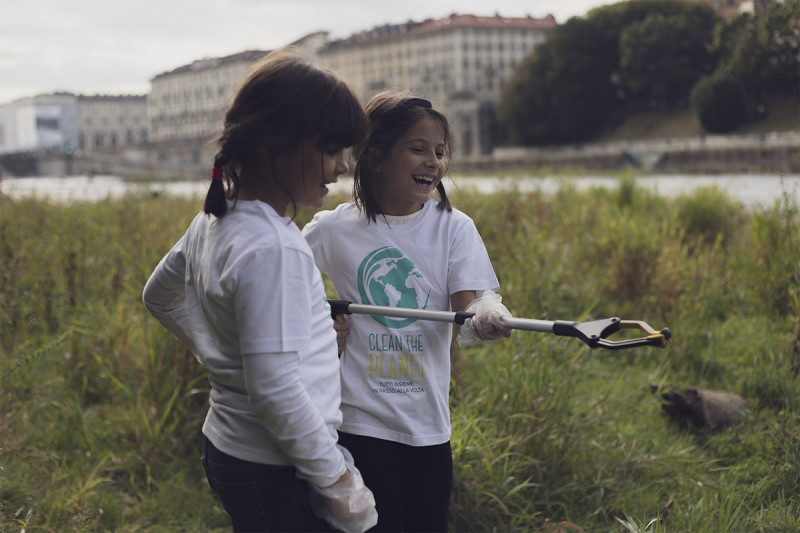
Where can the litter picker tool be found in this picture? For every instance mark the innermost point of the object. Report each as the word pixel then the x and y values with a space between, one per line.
pixel 593 333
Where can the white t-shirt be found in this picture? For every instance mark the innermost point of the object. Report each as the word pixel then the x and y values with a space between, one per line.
pixel 243 293
pixel 396 372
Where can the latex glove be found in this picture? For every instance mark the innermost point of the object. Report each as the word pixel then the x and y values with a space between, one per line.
pixel 341 324
pixel 487 323
pixel 347 505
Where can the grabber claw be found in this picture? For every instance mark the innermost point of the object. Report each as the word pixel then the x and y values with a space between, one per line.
pixel 592 333
pixel 595 333
pixel 659 339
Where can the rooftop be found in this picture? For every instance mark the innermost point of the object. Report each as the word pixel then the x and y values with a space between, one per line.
pixel 392 31
pixel 247 56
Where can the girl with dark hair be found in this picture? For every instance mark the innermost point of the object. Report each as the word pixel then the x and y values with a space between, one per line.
pixel 396 245
pixel 241 291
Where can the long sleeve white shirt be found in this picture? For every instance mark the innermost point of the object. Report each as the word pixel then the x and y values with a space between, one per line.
pixel 243 293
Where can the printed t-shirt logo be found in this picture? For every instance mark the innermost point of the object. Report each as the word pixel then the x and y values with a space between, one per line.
pixel 387 277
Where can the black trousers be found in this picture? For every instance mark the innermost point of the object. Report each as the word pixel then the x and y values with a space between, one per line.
pixel 411 484
pixel 260 497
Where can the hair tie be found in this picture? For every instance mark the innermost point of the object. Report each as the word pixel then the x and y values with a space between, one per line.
pixel 216 173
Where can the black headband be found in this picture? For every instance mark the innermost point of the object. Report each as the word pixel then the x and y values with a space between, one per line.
pixel 398 111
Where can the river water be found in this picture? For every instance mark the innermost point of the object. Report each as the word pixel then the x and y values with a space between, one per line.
pixel 752 190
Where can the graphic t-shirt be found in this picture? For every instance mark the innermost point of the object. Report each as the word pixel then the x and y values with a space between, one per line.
pixel 396 371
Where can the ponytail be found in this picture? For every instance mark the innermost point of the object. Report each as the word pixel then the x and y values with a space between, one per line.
pixel 444 201
pixel 216 201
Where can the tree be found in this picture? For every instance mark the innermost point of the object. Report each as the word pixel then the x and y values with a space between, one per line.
pixel 663 56
pixel 719 103
pixel 763 52
pixel 561 91
pixel 567 89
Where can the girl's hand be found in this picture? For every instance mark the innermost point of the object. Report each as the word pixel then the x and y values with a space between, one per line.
pixel 487 323
pixel 347 505
pixel 341 324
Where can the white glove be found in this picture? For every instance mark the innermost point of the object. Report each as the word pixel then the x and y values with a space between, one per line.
pixel 347 505
pixel 487 323
pixel 341 324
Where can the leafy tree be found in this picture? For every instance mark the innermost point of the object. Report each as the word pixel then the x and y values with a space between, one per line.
pixel 763 51
pixel 762 54
pixel 719 104
pixel 560 92
pixel 663 56
pixel 566 90
pixel 622 55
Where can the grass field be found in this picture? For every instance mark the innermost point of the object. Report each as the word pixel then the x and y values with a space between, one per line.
pixel 101 408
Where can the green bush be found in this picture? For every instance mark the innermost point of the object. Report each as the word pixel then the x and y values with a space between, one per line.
pixel 719 104
pixel 708 214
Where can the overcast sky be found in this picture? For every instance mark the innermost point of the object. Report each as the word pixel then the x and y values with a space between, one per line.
pixel 117 46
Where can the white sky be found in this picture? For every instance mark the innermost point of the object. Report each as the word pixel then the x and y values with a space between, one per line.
pixel 117 46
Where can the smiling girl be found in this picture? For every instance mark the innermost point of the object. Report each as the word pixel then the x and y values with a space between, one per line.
pixel 400 246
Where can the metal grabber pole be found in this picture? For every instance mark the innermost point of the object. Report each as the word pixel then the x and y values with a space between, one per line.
pixel 593 333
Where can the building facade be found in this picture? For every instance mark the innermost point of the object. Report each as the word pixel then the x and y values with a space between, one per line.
pixel 111 121
pixel 45 122
pixel 459 62
pixel 72 123
pixel 188 103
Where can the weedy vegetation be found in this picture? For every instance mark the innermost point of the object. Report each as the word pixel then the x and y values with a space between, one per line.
pixel 101 408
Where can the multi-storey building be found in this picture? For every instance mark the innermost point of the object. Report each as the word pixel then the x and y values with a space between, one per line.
pixel 111 121
pixel 45 122
pixel 73 123
pixel 42 134
pixel 187 103
pixel 459 62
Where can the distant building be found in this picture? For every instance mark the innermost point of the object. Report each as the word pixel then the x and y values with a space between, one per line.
pixel 188 103
pixel 459 62
pixel 46 122
pixel 111 121
pixel 72 123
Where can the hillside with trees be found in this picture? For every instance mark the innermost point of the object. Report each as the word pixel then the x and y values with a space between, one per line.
pixel 639 56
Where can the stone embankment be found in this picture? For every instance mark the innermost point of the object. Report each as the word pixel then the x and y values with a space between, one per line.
pixel 776 152
pixel 772 153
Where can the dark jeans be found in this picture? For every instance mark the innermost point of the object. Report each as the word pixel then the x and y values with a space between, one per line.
pixel 411 484
pixel 260 497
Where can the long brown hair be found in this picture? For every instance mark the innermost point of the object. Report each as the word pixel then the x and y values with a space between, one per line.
pixel 284 101
pixel 390 115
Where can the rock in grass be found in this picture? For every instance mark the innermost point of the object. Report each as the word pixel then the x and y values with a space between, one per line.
pixel 701 408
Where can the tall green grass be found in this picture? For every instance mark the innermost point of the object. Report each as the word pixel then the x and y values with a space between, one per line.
pixel 101 408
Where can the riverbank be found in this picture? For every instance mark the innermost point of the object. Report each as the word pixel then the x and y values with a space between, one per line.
pixel 753 191
pixel 669 141
pixel 754 153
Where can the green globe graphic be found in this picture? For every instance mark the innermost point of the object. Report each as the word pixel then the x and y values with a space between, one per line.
pixel 387 277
